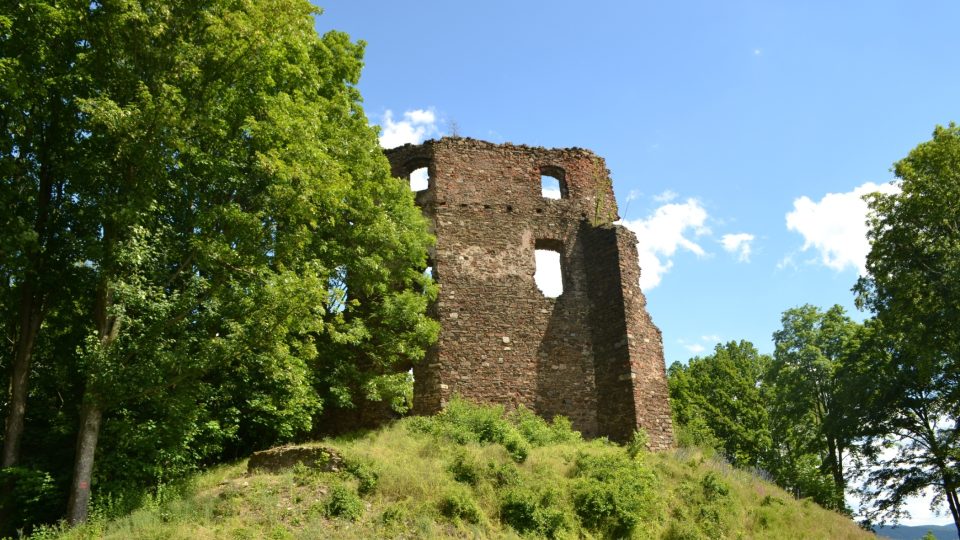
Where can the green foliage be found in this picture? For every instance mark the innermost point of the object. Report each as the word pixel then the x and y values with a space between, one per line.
pixel 677 494
pixel 464 422
pixel 342 502
pixel 366 474
pixel 718 401
pixel 224 252
pixel 458 504
pixel 794 416
pixel 613 494
pixel 812 414
pixel 466 469
pixel 638 444
pixel 708 511
pixel 503 474
pixel 543 513
pixel 29 496
pixel 540 433
pixel 696 433
pixel 912 400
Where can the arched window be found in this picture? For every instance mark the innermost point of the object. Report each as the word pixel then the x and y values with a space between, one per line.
pixel 553 182
pixel 418 173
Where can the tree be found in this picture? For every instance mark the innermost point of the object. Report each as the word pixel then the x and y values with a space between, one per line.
pixel 913 287
pixel 809 408
pixel 721 392
pixel 223 182
pixel 39 124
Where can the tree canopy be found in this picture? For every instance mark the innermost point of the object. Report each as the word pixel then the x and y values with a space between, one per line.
pixel 913 286
pixel 205 245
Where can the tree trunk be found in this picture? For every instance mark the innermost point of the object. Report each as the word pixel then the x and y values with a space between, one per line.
pixel 950 491
pixel 90 418
pixel 30 320
pixel 91 412
pixel 32 299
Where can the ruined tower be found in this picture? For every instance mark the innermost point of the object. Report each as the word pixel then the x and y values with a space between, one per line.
pixel 592 353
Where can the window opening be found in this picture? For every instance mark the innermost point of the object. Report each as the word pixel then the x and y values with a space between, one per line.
pixel 548 275
pixel 550 187
pixel 419 179
pixel 553 183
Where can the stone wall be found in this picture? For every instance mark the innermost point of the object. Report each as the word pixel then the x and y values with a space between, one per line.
pixel 592 354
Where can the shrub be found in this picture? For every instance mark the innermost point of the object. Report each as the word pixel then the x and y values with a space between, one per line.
pixel 463 422
pixel 466 469
pixel 696 433
pixel 707 508
pixel 538 432
pixel 366 474
pixel 516 445
pixel 638 444
pixel 518 509
pixel 528 511
pixel 459 504
pixel 28 496
pixel 396 513
pixel 613 493
pixel 502 475
pixel 713 487
pixel 343 503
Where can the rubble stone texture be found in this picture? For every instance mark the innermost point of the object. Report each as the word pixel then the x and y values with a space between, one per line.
pixel 591 354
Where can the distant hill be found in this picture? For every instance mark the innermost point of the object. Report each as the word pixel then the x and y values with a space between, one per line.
pixel 473 472
pixel 903 532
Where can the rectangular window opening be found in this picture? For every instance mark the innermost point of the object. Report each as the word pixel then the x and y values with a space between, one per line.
pixel 419 179
pixel 550 187
pixel 548 275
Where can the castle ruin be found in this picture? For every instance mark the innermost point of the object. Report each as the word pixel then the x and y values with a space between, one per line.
pixel 591 354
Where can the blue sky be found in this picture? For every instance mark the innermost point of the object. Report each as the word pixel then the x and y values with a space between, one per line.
pixel 739 134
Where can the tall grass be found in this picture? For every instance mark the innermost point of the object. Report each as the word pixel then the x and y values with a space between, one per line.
pixel 478 472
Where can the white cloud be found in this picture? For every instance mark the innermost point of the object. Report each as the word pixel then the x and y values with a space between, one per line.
pixel 661 234
pixel 738 244
pixel 551 193
pixel 697 347
pixel 419 179
pixel 836 225
pixel 415 126
pixel 786 262
pixel 666 196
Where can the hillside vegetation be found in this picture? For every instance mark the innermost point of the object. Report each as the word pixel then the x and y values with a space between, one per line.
pixel 475 472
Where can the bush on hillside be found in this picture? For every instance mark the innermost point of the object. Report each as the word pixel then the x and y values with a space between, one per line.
pixel 463 422
pixel 459 504
pixel 343 503
pixel 541 512
pixel 613 494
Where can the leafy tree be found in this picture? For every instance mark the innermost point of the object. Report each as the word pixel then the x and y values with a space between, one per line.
pixel 219 183
pixel 910 438
pixel 39 127
pixel 913 286
pixel 810 407
pixel 721 395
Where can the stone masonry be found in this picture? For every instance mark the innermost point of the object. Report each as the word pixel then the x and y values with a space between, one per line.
pixel 591 354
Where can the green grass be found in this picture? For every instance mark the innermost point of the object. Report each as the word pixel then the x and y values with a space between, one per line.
pixel 476 473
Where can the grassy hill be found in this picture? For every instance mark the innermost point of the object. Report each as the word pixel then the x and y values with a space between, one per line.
pixel 474 472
